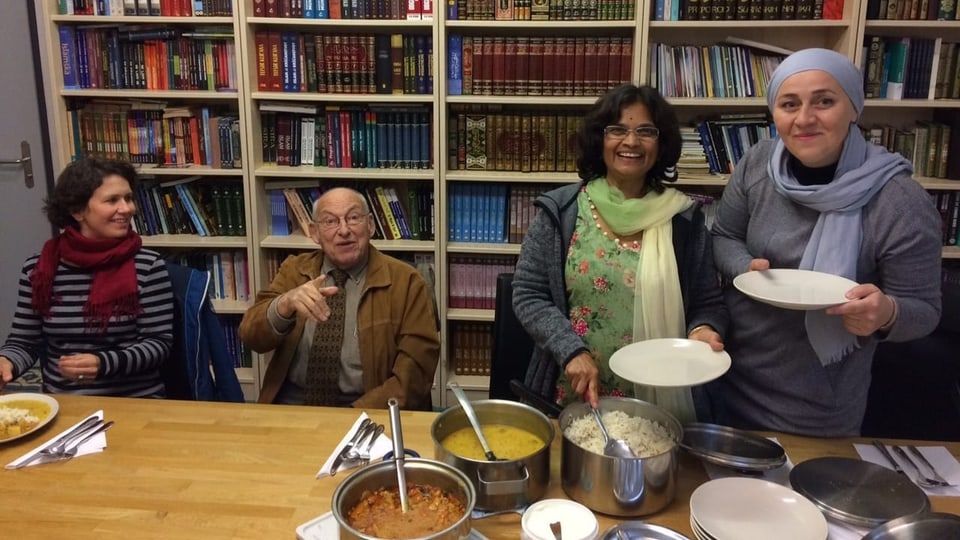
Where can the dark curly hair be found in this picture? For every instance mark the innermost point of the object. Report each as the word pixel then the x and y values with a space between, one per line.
pixel 76 185
pixel 607 110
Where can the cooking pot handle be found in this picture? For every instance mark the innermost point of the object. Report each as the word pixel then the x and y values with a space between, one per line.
pixel 504 487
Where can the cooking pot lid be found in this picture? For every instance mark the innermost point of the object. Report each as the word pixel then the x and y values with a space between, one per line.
pixel 731 447
pixel 932 526
pixel 857 492
pixel 639 530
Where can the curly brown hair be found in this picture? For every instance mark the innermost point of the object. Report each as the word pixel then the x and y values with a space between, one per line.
pixel 76 185
pixel 607 110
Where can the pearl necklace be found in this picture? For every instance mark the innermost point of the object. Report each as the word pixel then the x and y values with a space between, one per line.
pixel 633 245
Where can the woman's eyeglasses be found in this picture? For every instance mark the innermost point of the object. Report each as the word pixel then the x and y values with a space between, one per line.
pixel 329 222
pixel 621 132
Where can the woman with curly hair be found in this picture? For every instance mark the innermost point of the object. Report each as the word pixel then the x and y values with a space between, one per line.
pixel 95 308
pixel 616 258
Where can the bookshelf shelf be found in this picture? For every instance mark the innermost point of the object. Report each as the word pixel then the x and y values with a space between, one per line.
pixel 269 171
pixel 753 25
pixel 194 241
pixel 135 19
pixel 939 184
pixel 152 95
pixel 470 315
pixel 229 307
pixel 510 176
pixel 343 98
pixel 300 242
pixel 912 103
pixel 527 25
pixel 951 252
pixel 483 248
pixel 192 170
pixel 714 102
pixel 342 23
pixel 522 100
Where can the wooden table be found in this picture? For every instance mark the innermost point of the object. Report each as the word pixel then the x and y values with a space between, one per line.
pixel 196 470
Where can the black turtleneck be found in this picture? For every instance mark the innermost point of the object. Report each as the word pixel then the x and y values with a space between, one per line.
pixel 811 176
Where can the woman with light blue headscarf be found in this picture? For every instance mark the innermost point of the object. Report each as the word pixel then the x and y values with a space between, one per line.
pixel 820 197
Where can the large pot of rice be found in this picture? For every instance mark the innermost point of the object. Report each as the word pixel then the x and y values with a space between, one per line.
pixel 620 486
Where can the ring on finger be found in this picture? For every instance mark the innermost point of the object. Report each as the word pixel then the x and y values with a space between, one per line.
pixel 80 377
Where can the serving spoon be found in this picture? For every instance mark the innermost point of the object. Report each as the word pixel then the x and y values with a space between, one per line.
pixel 398 452
pixel 474 421
pixel 612 447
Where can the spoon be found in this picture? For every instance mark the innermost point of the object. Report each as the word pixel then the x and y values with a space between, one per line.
pixel 612 447
pixel 398 452
pixel 472 417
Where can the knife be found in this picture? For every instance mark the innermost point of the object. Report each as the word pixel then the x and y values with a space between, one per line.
pixel 886 454
pixel 83 426
pixel 350 444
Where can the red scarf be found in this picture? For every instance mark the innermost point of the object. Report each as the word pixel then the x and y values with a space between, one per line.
pixel 113 291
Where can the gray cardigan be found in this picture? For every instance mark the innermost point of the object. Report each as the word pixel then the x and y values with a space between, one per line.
pixel 539 293
pixel 776 381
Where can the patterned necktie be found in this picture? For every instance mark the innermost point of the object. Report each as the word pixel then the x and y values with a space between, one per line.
pixel 323 368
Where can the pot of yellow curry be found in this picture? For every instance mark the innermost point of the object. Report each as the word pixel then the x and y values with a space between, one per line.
pixel 518 435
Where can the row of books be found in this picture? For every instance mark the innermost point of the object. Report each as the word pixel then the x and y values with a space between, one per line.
pixel 157 8
pixel 511 141
pixel 184 206
pixel 242 356
pixel 373 137
pixel 228 268
pixel 948 204
pixel 727 138
pixel 912 10
pixel 154 133
pixel 473 280
pixel 927 145
pixel 911 68
pixel 747 10
pixel 345 9
pixel 720 70
pixel 540 10
pixel 95 57
pixel 537 65
pixel 472 347
pixel 493 213
pixel 344 63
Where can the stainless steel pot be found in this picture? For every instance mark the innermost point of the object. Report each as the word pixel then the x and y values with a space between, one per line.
pixel 620 486
pixel 500 485
pixel 418 471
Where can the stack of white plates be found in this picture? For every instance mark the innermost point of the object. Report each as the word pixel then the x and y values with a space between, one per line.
pixel 737 508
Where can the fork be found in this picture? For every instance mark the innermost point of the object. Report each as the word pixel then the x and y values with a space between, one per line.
pixel 923 459
pixel 922 479
pixel 364 455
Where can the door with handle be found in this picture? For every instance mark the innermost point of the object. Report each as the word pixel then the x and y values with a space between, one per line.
pixel 23 161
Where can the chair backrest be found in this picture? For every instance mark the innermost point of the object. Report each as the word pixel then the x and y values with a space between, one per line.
pixel 512 346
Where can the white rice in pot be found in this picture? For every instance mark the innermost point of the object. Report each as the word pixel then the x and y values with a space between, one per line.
pixel 644 436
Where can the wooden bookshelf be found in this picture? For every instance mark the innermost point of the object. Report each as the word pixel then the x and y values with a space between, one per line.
pixel 844 35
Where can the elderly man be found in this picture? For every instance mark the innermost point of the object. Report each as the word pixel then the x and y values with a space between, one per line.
pixel 349 325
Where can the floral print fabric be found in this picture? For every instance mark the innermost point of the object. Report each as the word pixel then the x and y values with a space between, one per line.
pixel 601 283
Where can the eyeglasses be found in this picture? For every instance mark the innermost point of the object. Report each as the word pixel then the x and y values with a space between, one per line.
pixel 621 132
pixel 328 222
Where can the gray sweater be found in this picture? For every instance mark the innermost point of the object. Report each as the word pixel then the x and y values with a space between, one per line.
pixel 776 381
pixel 539 293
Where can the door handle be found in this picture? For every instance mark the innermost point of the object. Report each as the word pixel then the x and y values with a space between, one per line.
pixel 24 161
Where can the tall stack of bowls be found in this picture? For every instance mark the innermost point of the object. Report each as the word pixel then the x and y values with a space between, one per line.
pixel 418 471
pixel 627 487
pixel 500 485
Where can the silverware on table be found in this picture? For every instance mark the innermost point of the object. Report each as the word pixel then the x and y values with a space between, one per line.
pixel 886 454
pixel 922 480
pixel 60 443
pixel 349 446
pixel 73 446
pixel 923 459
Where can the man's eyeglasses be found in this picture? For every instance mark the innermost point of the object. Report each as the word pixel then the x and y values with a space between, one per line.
pixel 329 222
pixel 621 132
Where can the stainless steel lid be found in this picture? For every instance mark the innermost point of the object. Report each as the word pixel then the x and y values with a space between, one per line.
pixel 730 447
pixel 932 526
pixel 857 492
pixel 639 530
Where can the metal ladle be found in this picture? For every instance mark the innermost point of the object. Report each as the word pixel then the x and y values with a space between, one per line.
pixel 398 452
pixel 612 447
pixel 472 417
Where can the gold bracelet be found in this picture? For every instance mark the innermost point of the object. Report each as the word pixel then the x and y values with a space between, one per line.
pixel 698 328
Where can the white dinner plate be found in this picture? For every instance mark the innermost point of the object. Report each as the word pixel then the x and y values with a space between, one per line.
pixel 737 508
pixel 669 362
pixel 43 398
pixel 790 288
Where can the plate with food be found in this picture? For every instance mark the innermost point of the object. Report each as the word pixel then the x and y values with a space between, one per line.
pixel 790 288
pixel 24 413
